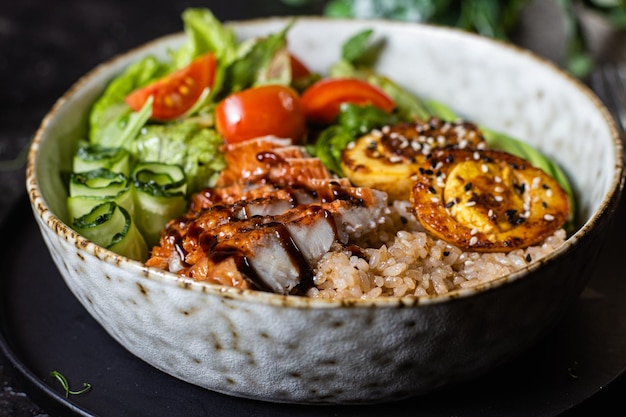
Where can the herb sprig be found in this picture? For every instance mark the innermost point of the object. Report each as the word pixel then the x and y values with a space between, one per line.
pixel 66 385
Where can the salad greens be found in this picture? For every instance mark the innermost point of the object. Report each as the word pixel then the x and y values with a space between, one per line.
pixel 132 174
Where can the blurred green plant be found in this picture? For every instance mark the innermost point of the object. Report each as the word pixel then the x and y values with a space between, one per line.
pixel 493 18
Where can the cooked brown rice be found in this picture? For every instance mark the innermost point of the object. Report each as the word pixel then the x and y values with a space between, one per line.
pixel 401 259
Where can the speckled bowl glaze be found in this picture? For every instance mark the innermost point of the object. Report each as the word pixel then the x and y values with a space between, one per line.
pixel 299 350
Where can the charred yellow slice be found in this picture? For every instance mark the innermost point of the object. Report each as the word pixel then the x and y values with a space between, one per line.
pixel 386 159
pixel 489 201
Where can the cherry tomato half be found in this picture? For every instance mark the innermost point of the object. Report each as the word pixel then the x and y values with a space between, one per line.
pixel 298 69
pixel 260 111
pixel 177 92
pixel 321 101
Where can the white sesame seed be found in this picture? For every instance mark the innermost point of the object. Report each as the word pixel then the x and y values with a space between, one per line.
pixel 497 179
pixel 476 156
pixel 473 231
pixel 484 168
pixel 498 198
pixel 473 241
pixel 434 200
pixel 548 217
pixel 470 203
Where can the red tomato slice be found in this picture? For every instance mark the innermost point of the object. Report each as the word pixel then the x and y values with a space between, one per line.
pixel 177 92
pixel 260 111
pixel 321 101
pixel 298 69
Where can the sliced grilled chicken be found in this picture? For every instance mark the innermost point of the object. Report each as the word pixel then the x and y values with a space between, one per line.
pixel 267 227
pixel 275 251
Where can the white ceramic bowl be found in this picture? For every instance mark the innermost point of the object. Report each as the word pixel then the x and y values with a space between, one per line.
pixel 295 349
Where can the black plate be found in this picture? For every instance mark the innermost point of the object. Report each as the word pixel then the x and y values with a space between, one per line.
pixel 44 329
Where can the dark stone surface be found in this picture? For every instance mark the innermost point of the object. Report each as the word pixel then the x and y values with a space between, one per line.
pixel 45 46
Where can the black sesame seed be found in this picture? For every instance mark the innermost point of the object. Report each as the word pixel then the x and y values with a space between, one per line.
pixel 432 190
pixel 468 186
pixel 545 186
pixel 528 258
pixel 449 159
pixel 446 253
pixel 450 203
pixel 521 188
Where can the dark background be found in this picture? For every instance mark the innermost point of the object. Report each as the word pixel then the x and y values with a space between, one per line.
pixel 45 46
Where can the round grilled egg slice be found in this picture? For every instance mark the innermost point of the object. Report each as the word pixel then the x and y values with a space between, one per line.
pixel 387 158
pixel 488 200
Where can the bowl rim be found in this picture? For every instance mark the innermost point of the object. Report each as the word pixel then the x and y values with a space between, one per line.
pixel 44 214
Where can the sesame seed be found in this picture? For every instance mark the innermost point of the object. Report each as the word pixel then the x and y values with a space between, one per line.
pixel 473 231
pixel 473 241
pixel 548 217
pixel 476 156
pixel 484 168
pixel 536 182
pixel 434 200
pixel 498 198
pixel 470 204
